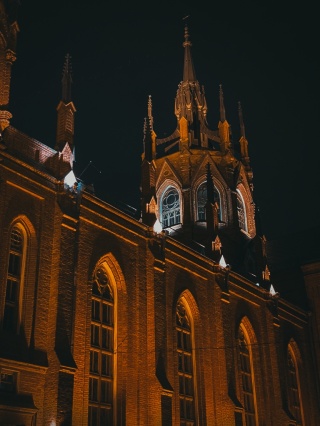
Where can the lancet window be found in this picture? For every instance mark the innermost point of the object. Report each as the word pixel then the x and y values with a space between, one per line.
pixel 293 388
pixel 101 352
pixel 202 200
pixel 14 283
pixel 247 382
pixel 170 208
pixel 185 366
pixel 241 209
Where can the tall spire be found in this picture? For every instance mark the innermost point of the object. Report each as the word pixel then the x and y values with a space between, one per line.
pixel 224 128
pixel 150 112
pixel 148 171
pixel 188 69
pixel 8 36
pixel 66 110
pixel 222 108
pixel 190 104
pixel 66 79
pixel 244 148
pixel 149 137
pixel 242 129
pixel 149 154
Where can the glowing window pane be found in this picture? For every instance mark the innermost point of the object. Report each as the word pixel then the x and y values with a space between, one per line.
pixel 170 208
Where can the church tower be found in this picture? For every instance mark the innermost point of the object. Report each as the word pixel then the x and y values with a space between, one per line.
pixel 194 182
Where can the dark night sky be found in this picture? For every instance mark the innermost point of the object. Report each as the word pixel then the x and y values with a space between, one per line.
pixel 264 55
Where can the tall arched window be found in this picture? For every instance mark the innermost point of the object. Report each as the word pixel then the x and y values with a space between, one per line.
pixel 170 208
pixel 202 200
pixel 294 399
pixel 185 366
pixel 101 352
pixel 14 287
pixel 247 382
pixel 242 217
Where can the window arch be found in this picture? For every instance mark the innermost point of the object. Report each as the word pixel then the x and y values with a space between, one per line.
pixel 202 200
pixel 241 209
pixel 294 394
pixel 185 365
pixel 101 375
pixel 170 207
pixel 15 278
pixel 247 378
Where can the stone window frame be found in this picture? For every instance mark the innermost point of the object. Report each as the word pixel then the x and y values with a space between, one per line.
pixel 186 351
pixel 242 212
pixel 217 193
pixel 248 396
pixel 294 396
pixel 167 186
pixel 102 364
pixel 15 282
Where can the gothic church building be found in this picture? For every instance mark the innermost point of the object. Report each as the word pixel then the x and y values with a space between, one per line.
pixel 170 319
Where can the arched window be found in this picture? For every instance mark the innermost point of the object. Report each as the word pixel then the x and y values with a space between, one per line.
pixel 294 400
pixel 101 351
pixel 185 366
pixel 242 217
pixel 247 382
pixel 15 272
pixel 202 200
pixel 170 208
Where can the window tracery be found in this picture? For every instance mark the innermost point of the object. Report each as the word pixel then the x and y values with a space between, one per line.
pixel 242 217
pixel 170 208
